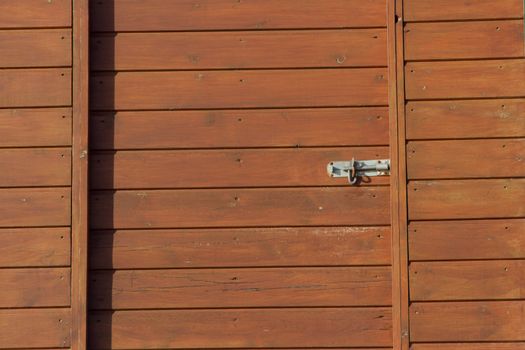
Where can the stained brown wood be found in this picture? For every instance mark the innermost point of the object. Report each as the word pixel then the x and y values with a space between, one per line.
pixel 466 119
pixel 35 87
pixel 236 89
pixel 241 328
pixel 438 80
pixel 465 159
pixel 473 239
pixel 464 40
pixel 252 49
pixel 200 288
pixel 311 246
pixel 470 346
pixel 35 13
pixel 30 328
pixel 235 168
pixel 242 207
pixel 35 167
pixel 35 48
pixel 466 199
pixel 438 10
pixel 35 207
pixel 467 280
pixel 156 15
pixel 43 287
pixel 249 128
pixel 35 127
pixel 48 247
pixel 467 321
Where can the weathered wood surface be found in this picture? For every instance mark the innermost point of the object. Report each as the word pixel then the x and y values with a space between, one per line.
pixel 260 328
pixel 162 15
pixel 240 50
pixel 306 246
pixel 242 207
pixel 472 239
pixel 240 89
pixel 246 128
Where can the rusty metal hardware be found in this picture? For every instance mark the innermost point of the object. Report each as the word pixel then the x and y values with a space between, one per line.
pixel 354 169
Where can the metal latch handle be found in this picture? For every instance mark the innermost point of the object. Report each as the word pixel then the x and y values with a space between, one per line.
pixel 359 168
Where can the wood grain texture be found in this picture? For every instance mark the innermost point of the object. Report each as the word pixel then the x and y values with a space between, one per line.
pixel 200 288
pixel 35 127
pixel 309 246
pixel 35 48
pixel 464 40
pixel 241 328
pixel 35 167
pixel 44 287
pixel 48 247
pixel 31 328
pixel 467 321
pixel 471 159
pixel 466 199
pixel 35 87
pixel 242 207
pixel 35 13
pixel 473 239
pixel 466 119
pixel 467 280
pixel 230 168
pixel 248 128
pixel 438 10
pixel 465 79
pixel 157 15
pixel 35 207
pixel 237 50
pixel 239 89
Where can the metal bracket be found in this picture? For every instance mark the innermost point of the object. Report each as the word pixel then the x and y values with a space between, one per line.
pixel 359 168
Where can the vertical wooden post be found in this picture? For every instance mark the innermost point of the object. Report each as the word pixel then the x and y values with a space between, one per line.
pixel 400 289
pixel 80 174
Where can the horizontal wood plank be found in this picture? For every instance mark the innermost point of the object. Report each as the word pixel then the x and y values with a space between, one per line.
pixel 440 10
pixel 201 288
pixel 162 15
pixel 35 87
pixel 231 168
pixel 465 119
pixel 35 13
pixel 241 328
pixel 34 247
pixel 465 79
pixel 464 40
pixel 312 246
pixel 35 328
pixel 472 239
pixel 467 280
pixel 31 207
pixel 467 321
pixel 466 199
pixel 35 48
pixel 242 207
pixel 240 89
pixel 42 287
pixel 248 128
pixel 35 167
pixel 433 160
pixel 35 127
pixel 236 50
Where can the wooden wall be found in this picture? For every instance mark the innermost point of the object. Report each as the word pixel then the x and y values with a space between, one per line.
pixel 214 223
pixel 35 173
pixel 465 84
